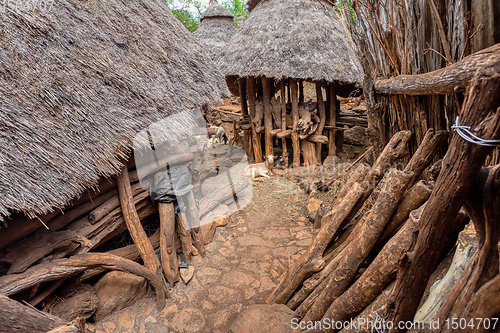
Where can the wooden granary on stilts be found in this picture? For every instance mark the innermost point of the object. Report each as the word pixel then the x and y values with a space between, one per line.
pixel 282 45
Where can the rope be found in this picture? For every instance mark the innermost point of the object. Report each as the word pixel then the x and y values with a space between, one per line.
pixel 467 135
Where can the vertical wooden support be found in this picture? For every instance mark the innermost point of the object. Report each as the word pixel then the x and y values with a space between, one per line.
pixel 283 122
pixel 322 118
pixel 135 228
pixel 295 117
pixel 301 91
pixel 194 221
pixel 268 116
pixel 167 247
pixel 257 149
pixel 332 96
pixel 184 235
pixel 243 95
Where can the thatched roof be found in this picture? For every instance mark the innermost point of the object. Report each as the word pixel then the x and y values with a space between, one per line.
pixel 301 39
pixel 78 80
pixel 216 29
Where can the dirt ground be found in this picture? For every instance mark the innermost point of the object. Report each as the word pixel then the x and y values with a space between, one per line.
pixel 242 266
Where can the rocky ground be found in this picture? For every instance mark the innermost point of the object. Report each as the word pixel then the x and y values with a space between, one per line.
pixel 242 266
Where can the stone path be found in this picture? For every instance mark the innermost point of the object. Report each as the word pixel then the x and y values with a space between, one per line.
pixel 242 266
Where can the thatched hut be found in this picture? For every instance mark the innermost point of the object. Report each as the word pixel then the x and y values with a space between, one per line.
pixel 79 80
pixel 287 42
pixel 216 29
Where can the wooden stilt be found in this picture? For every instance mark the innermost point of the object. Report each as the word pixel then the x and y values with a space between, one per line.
pixel 268 117
pixel 243 95
pixel 301 91
pixel 322 118
pixel 295 118
pixel 257 149
pixel 283 122
pixel 332 97
pixel 167 247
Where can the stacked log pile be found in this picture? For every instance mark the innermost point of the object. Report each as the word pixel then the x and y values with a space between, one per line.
pixel 377 267
pixel 39 256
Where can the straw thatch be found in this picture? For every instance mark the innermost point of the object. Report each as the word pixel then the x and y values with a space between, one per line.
pixel 301 39
pixel 216 29
pixel 78 80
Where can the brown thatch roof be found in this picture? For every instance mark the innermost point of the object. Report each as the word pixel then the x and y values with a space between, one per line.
pixel 301 39
pixel 78 80
pixel 216 29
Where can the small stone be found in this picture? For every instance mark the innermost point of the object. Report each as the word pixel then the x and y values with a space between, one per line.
pixel 207 305
pixel 126 321
pixel 109 326
pixel 249 293
pixel 189 320
pixel 266 284
pixel 243 229
pixel 194 251
pixel 302 219
pixel 168 311
pixel 186 274
pixel 313 205
pixel 150 319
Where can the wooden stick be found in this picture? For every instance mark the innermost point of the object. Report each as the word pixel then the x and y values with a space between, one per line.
pixel 359 159
pixel 257 149
pixel 268 116
pixel 135 228
pixel 322 119
pixel 295 118
pixel 283 122
pixel 167 247
pixel 242 84
pixel 332 99
pixel 185 236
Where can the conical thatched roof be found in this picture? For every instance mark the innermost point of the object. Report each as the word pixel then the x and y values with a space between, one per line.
pixel 301 39
pixel 78 80
pixel 216 29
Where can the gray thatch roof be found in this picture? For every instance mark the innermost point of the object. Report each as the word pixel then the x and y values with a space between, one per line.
pixel 78 80
pixel 216 29
pixel 301 39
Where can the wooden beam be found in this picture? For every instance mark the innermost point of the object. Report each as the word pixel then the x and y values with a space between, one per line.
pixel 268 116
pixel 242 84
pixel 448 80
pixel 295 118
pixel 332 102
pixel 322 119
pixel 283 122
pixel 256 147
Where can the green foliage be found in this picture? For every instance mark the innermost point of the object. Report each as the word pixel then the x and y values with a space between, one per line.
pixel 236 7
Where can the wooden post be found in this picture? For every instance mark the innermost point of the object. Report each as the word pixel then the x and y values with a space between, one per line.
pixel 257 149
pixel 295 118
pixel 301 91
pixel 167 247
pixel 194 221
pixel 243 95
pixel 268 117
pixel 332 96
pixel 185 236
pixel 283 122
pixel 322 118
pixel 134 226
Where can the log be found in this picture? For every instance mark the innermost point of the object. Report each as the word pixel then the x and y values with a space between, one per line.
pixel 318 139
pixel 481 111
pixel 332 102
pixel 257 149
pixel 40 245
pixel 284 134
pixel 185 236
pixel 268 116
pixel 322 121
pixel 308 150
pixel 451 79
pixel 312 259
pixel 167 246
pixel 295 118
pixel 17 317
pixel 137 232
pixel 73 304
pixel 193 218
pixel 283 123
pixel 371 226
pixel 242 84
pixel 62 268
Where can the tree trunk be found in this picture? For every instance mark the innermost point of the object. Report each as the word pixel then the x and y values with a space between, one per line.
pixel 322 119
pixel 295 119
pixel 167 246
pixel 283 123
pixel 268 116
pixel 256 147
